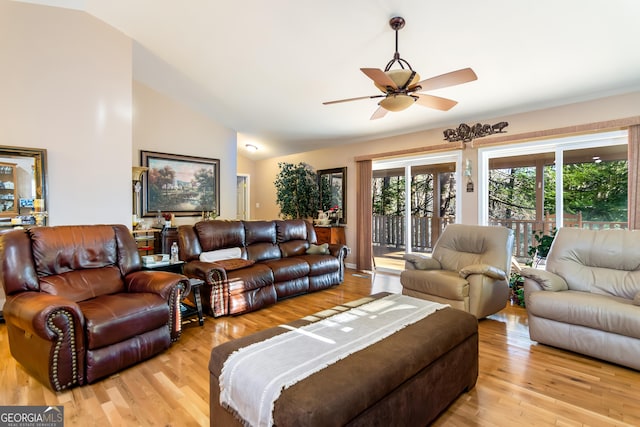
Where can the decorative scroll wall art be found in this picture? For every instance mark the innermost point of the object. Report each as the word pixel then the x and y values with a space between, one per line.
pixel 466 133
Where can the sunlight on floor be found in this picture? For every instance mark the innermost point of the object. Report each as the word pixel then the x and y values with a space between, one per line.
pixel 389 263
pixel 382 281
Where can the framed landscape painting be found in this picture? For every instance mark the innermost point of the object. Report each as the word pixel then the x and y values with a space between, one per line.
pixel 182 185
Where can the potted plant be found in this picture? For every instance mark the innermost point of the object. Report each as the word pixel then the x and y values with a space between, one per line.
pixel 540 246
pixel 516 283
pixel 297 190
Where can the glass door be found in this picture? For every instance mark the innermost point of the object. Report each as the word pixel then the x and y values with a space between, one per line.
pixel 540 186
pixel 413 200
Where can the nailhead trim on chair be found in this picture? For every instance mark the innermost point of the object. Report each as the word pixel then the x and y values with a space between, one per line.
pixel 56 351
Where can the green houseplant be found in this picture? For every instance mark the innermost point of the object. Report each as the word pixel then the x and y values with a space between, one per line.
pixel 541 244
pixel 297 190
pixel 516 283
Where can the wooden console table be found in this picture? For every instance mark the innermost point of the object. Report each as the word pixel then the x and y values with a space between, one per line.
pixel 333 234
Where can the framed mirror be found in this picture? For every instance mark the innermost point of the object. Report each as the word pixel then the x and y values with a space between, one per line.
pixel 333 197
pixel 23 184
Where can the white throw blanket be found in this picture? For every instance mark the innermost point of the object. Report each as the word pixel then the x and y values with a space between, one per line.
pixel 253 377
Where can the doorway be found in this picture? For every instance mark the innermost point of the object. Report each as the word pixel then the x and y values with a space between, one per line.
pixel 242 197
pixel 414 198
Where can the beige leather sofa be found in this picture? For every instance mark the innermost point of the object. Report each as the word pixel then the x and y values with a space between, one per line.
pixel 587 299
pixel 468 269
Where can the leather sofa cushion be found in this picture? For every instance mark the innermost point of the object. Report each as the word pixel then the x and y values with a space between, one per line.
pixel 607 313
pixel 321 264
pixel 105 361
pixel 443 283
pixel 234 264
pixel 291 230
pixel 219 234
pixel 245 279
pixel 82 285
pixel 263 251
pixel 288 269
pixel 259 232
pixel 294 248
pixel 61 249
pixel 113 318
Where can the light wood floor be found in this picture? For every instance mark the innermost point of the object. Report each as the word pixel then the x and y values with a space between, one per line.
pixel 520 382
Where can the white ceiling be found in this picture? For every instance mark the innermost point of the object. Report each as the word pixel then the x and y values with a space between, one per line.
pixel 264 67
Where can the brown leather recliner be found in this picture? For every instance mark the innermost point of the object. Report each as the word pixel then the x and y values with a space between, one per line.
pixel 79 307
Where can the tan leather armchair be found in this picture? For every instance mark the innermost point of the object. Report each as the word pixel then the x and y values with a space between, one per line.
pixel 468 269
pixel 587 299
pixel 79 307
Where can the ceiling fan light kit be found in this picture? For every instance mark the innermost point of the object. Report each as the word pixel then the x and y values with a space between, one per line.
pixel 400 87
pixel 397 103
pixel 401 78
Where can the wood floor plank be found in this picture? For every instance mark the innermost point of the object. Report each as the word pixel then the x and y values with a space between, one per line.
pixel 520 382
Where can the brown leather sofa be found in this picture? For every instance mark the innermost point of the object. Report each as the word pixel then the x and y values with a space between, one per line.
pixel 469 269
pixel 587 299
pixel 79 307
pixel 272 260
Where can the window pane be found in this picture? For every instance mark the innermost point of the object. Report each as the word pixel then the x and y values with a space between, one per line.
pixel 595 188
pixel 430 184
pixel 388 215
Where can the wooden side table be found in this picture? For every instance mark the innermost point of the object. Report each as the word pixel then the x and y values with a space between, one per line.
pixel 187 310
pixel 333 234
pixel 173 267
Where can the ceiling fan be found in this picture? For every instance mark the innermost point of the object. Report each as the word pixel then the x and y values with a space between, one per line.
pixel 400 87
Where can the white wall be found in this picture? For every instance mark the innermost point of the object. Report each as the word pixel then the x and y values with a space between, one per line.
pixel 65 82
pixel 66 85
pixel 164 125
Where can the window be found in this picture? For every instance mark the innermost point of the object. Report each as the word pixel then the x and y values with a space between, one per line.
pixel 576 181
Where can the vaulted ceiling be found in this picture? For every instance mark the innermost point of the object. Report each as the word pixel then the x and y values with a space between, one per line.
pixel 264 68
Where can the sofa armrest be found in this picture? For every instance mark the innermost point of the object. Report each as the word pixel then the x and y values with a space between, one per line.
pixel 54 325
pixel 210 272
pixel 161 283
pixel 171 287
pixel 216 277
pixel 338 250
pixel 485 269
pixel 420 262
pixel 546 280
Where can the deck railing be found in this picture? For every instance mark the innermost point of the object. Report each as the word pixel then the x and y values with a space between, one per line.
pixel 389 231
pixel 525 229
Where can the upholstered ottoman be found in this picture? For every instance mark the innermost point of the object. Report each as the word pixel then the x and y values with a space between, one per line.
pixel 408 378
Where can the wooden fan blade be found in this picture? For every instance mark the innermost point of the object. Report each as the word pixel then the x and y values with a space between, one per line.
pixel 352 99
pixel 379 113
pixel 436 102
pixel 379 77
pixel 453 78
